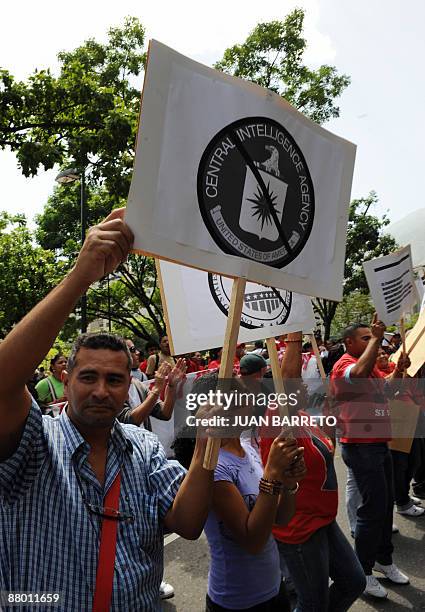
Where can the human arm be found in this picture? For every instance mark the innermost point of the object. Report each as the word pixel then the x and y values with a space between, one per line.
pixel 252 529
pixel 150 365
pixel 150 404
pixel 292 357
pixel 189 511
pixel 106 246
pixel 175 375
pixel 366 362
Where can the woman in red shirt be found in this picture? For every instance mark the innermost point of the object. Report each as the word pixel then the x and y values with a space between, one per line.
pixel 311 545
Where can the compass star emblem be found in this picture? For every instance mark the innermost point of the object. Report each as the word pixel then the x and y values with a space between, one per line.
pixel 261 208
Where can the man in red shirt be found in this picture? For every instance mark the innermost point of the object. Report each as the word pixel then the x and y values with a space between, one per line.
pixel 359 388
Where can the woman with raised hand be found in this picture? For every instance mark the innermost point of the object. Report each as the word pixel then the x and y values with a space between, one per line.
pixel 247 500
pixel 312 547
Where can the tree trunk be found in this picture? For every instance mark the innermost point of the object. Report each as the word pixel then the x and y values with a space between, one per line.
pixel 326 310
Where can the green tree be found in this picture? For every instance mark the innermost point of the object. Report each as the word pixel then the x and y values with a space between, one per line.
pixel 365 240
pixel 132 302
pixel 272 56
pixel 27 272
pixel 88 113
pixel 356 307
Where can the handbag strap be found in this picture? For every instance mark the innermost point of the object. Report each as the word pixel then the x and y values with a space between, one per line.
pixel 51 389
pixel 107 549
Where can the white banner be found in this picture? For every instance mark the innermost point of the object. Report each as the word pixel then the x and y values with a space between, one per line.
pixel 392 285
pixel 197 304
pixel 230 178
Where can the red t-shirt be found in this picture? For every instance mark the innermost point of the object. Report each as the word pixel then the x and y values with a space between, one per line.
pixel 213 365
pixel 389 370
pixel 317 497
pixel 360 404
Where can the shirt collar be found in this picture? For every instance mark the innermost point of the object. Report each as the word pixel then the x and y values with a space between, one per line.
pixel 74 440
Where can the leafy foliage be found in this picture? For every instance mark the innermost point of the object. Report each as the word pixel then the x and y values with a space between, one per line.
pixel 88 113
pixel 27 272
pixel 134 299
pixel 365 240
pixel 356 307
pixel 87 116
pixel 272 57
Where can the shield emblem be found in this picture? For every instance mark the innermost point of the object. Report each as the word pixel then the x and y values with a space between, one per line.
pixel 255 216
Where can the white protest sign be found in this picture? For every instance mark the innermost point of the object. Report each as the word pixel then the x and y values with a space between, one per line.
pixel 392 285
pixel 197 304
pixel 230 178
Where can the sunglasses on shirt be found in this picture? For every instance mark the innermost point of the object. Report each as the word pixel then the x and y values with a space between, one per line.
pixel 110 513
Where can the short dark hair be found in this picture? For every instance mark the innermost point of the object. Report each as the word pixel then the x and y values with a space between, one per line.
pixel 149 345
pixel 350 331
pixel 103 340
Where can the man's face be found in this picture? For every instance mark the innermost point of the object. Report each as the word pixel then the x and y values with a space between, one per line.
pixel 240 351
pixel 356 345
pixel 97 387
pixel 164 346
pixel 134 354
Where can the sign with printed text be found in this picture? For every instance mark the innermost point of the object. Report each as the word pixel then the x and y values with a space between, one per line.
pixel 197 305
pixel 392 285
pixel 230 178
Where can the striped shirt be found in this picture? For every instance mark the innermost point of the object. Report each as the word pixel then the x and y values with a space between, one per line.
pixel 48 538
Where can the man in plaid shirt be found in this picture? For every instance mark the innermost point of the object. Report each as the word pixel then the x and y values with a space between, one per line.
pixel 55 473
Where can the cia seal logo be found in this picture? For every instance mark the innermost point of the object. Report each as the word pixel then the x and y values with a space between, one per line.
pixel 263 306
pixel 255 192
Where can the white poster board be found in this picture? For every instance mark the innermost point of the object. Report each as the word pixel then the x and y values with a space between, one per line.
pixel 215 155
pixel 392 285
pixel 197 304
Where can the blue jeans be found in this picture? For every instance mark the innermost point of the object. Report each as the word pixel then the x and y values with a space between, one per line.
pixel 353 500
pixel 372 467
pixel 326 554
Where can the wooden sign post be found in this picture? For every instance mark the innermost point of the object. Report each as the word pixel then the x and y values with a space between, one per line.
pixel 403 342
pixel 227 359
pixel 317 355
pixel 279 385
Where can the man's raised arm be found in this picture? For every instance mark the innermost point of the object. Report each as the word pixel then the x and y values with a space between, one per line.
pixel 105 247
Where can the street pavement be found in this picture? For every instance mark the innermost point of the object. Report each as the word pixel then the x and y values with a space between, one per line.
pixel 186 565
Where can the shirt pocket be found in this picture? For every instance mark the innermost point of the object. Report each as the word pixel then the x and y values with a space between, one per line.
pixel 147 524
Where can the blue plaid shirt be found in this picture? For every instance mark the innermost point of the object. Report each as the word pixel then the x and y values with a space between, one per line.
pixel 48 538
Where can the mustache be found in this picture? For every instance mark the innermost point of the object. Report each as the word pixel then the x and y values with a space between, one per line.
pixel 92 404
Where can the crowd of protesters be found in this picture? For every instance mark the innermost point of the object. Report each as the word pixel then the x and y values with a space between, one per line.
pixel 77 455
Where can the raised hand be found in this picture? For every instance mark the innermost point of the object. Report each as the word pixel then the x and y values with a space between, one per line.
pixel 105 248
pixel 377 327
pixel 403 363
pixel 284 453
pixel 177 373
pixel 296 472
pixel 161 376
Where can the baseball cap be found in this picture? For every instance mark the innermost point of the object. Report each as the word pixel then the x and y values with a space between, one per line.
pixel 250 364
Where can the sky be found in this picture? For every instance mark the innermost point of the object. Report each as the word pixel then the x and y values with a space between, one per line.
pixel 380 45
